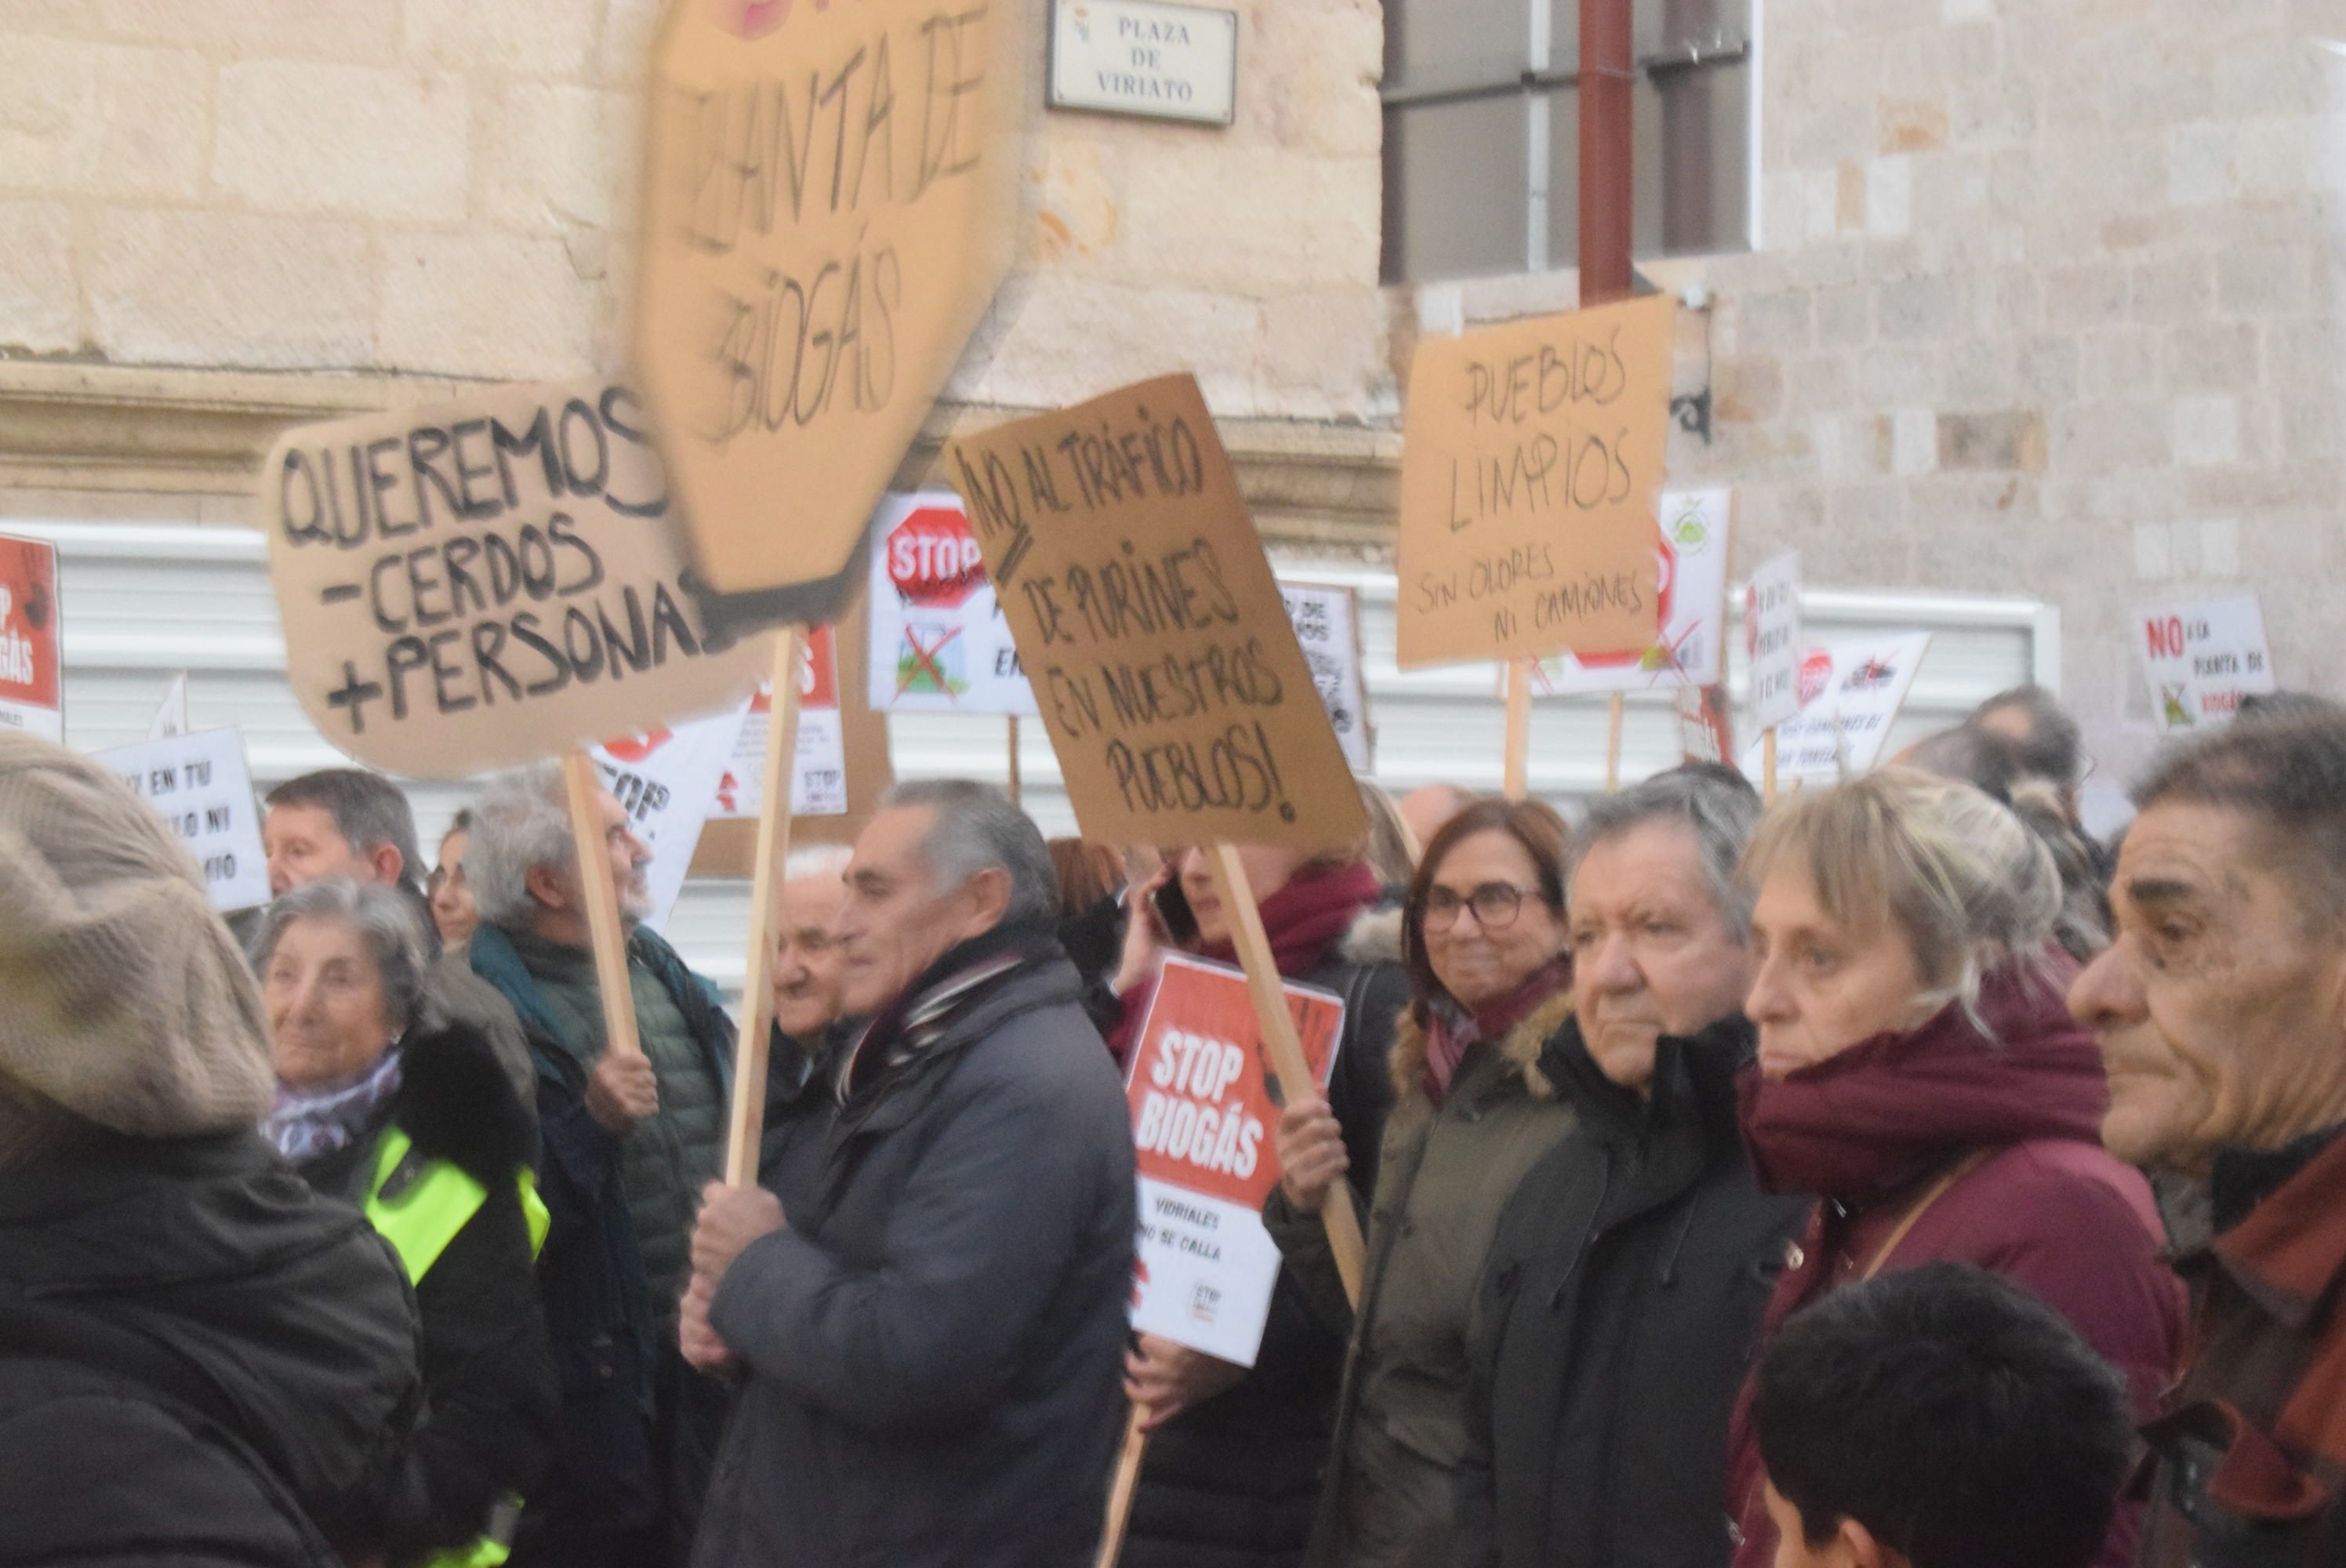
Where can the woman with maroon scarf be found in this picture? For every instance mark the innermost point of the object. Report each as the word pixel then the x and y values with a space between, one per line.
pixel 1235 1454
pixel 1919 1073
pixel 1483 939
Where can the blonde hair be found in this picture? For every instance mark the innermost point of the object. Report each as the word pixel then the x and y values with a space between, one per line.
pixel 1964 879
pixel 1391 848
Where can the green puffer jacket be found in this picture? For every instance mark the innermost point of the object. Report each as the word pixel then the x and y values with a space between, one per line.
pixel 1444 1176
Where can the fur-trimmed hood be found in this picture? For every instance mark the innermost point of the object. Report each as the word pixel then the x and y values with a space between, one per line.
pixel 457 1104
pixel 1374 937
pixel 1520 1048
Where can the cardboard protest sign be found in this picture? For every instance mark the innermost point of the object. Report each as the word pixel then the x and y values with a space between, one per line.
pixel 1851 694
pixel 1690 647
pixel 830 193
pixel 483 582
pixel 32 696
pixel 1706 725
pixel 1529 482
pixel 1771 640
pixel 819 776
pixel 1202 1126
pixel 939 641
pixel 199 785
pixel 665 780
pixel 1176 695
pixel 2201 658
pixel 1326 622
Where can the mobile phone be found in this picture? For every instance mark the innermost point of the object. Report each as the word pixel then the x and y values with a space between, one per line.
pixel 1173 909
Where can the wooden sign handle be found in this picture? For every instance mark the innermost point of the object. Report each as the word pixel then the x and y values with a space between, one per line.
pixel 1231 885
pixel 1014 780
pixel 745 1122
pixel 1517 774
pixel 590 839
pixel 1120 1491
pixel 1613 715
pixel 1768 767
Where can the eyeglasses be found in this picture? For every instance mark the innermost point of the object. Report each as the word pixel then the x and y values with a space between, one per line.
pixel 1495 906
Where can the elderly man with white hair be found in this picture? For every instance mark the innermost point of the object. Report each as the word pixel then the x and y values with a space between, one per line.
pixel 629 1141
pixel 933 1334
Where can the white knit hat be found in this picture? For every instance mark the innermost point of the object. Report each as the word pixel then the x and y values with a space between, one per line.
pixel 123 998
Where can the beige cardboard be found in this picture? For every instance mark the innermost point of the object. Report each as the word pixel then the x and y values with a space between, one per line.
pixel 829 198
pixel 1145 614
pixel 1529 477
pixel 484 582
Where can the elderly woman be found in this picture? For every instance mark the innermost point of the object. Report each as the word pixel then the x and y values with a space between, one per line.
pixel 1232 1473
pixel 1483 933
pixel 1918 1071
pixel 1613 1323
pixel 420 1129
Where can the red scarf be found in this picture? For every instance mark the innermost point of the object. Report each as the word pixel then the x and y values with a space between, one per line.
pixel 1303 919
pixel 1450 1029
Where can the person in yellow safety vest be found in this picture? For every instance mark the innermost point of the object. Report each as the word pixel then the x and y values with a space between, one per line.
pixel 416 1123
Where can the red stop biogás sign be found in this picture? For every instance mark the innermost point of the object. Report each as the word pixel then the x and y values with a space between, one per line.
pixel 933 558
pixel 1816 674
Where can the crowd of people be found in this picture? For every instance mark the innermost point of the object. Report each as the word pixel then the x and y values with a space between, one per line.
pixel 1893 1176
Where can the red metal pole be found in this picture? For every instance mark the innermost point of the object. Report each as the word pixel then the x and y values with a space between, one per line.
pixel 1607 72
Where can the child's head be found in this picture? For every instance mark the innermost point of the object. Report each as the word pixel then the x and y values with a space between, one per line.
pixel 1938 1417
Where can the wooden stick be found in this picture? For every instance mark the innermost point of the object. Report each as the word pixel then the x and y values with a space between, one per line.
pixel 1014 759
pixel 1613 714
pixel 1119 1492
pixel 1768 767
pixel 746 1120
pixel 1517 774
pixel 1279 1038
pixel 590 838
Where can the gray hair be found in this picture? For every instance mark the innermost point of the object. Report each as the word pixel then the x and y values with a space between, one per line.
pixel 1717 809
pixel 368 809
pixel 384 916
pixel 817 860
pixel 521 822
pixel 977 828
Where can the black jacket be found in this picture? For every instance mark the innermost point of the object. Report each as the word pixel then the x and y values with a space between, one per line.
pixel 488 1375
pixel 934 1345
pixel 799 1108
pixel 1615 1321
pixel 1234 1483
pixel 202 1362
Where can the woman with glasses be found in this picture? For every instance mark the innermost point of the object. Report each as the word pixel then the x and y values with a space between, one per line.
pixel 1232 1474
pixel 1483 937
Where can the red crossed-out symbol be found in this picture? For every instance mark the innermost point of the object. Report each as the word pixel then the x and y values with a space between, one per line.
pixel 924 660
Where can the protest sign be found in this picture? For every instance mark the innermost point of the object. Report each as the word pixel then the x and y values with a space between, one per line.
pixel 1176 695
pixel 819 769
pixel 1529 483
pixel 199 785
pixel 487 581
pixel 171 717
pixel 1705 727
pixel 2201 658
pixel 1771 638
pixel 32 697
pixel 1203 1121
pixel 666 780
pixel 1850 695
pixel 830 195
pixel 1691 557
pixel 939 641
pixel 1326 622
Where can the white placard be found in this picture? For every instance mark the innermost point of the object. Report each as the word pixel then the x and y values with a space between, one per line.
pixel 1695 529
pixel 2201 658
pixel 199 784
pixel 938 643
pixel 172 718
pixel 1771 638
pixel 819 779
pixel 665 780
pixel 1140 57
pixel 1852 693
pixel 1327 622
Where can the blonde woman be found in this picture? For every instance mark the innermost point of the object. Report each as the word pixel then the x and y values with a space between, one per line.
pixel 1919 1073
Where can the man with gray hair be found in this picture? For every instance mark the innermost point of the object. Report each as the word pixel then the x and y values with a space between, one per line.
pixel 933 1339
pixel 629 1141
pixel 1620 1295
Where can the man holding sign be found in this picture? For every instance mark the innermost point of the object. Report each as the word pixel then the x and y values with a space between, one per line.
pixel 932 1340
